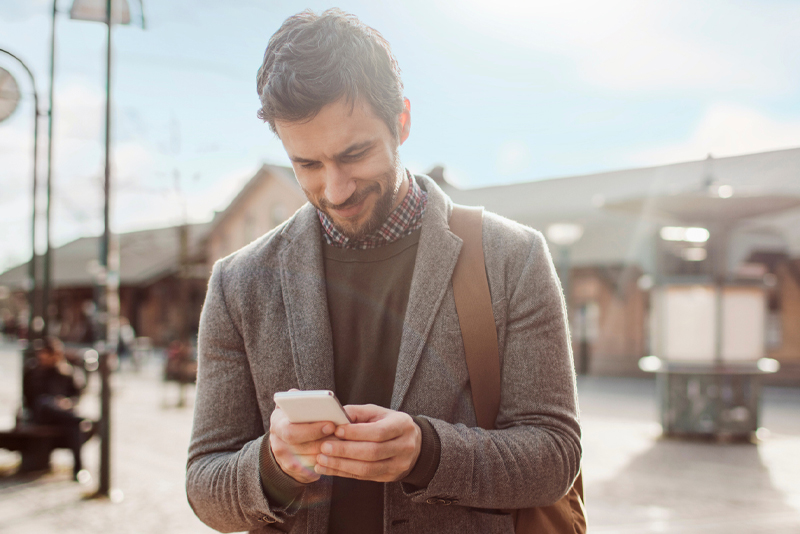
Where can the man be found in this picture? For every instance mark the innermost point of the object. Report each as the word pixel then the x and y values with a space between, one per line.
pixel 51 391
pixel 353 294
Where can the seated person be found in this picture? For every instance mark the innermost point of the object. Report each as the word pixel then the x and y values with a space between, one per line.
pixel 51 390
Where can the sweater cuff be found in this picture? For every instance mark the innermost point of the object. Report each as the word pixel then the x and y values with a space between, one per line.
pixel 429 455
pixel 281 489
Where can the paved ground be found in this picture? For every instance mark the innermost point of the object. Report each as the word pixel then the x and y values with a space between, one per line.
pixel 635 482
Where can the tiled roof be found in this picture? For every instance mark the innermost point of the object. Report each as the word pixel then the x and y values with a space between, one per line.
pixel 145 256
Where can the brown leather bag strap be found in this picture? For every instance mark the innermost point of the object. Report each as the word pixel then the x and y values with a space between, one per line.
pixel 478 330
pixel 474 308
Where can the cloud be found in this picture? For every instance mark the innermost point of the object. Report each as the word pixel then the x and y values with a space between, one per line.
pixel 727 130
pixel 16 155
pixel 513 157
pixel 628 45
pixel 79 111
pixel 132 160
pixel 15 10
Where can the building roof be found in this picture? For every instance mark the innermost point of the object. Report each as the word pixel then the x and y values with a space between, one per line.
pixel 611 237
pixel 145 257
pixel 266 172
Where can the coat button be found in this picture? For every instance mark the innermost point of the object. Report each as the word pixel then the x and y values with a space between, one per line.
pixel 431 501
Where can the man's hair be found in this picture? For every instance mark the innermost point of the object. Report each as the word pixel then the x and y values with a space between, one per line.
pixel 49 344
pixel 314 60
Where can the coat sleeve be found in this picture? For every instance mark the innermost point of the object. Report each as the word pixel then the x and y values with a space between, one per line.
pixel 223 484
pixel 533 456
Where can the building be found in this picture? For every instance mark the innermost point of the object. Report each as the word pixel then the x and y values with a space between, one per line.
pixel 608 292
pixel 268 199
pixel 163 272
pixel 607 273
pixel 158 268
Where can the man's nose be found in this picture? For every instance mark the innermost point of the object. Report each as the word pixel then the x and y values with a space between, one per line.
pixel 338 185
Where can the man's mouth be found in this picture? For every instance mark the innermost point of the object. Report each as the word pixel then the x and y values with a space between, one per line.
pixel 352 207
pixel 351 210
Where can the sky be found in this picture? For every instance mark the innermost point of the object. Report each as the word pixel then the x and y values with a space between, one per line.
pixel 501 91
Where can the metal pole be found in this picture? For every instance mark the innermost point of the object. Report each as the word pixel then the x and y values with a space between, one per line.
pixel 32 265
pixel 720 265
pixel 48 257
pixel 102 304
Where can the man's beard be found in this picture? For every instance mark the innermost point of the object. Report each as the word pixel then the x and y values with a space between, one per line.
pixel 380 211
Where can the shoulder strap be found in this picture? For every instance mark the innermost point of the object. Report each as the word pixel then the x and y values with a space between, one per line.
pixel 478 330
pixel 474 308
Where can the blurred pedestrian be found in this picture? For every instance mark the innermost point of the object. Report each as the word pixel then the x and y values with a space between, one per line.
pixel 125 342
pixel 51 390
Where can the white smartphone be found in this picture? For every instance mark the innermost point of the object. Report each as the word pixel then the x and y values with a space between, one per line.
pixel 311 406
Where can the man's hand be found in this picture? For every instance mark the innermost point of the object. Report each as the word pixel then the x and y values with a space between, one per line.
pixel 381 445
pixel 296 445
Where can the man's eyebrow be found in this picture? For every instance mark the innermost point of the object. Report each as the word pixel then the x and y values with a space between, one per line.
pixel 355 147
pixel 297 159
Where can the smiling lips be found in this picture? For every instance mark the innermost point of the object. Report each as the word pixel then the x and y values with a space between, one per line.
pixel 353 206
pixel 350 211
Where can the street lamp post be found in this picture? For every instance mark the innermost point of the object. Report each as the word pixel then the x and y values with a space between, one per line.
pixel 32 265
pixel 48 255
pixel 109 12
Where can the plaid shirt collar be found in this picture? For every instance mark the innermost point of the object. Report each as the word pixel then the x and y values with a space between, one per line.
pixel 402 221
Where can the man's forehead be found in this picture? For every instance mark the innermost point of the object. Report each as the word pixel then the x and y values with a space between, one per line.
pixel 336 128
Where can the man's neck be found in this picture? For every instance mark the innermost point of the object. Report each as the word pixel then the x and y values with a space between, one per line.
pixel 402 191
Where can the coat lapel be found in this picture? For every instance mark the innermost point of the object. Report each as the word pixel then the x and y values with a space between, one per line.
pixel 437 254
pixel 303 285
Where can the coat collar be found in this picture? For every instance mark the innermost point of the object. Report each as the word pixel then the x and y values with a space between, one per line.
pixel 303 286
pixel 305 298
pixel 437 254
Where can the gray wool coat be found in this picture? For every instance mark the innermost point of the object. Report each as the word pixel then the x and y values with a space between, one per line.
pixel 265 328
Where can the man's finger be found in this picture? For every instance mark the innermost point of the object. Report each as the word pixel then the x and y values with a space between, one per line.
pixel 297 433
pixel 365 413
pixel 311 447
pixel 367 451
pixel 354 468
pixel 383 430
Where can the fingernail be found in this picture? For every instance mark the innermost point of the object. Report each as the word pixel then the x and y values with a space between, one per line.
pixel 322 459
pixel 327 429
pixel 327 448
pixel 340 432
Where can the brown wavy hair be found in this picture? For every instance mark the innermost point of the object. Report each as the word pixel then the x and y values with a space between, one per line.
pixel 315 60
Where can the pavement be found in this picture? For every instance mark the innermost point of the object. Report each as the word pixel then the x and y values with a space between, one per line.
pixel 635 481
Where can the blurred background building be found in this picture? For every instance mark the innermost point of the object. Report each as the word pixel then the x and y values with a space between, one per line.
pixel 607 258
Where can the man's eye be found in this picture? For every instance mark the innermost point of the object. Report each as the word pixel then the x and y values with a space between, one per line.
pixel 352 157
pixel 309 165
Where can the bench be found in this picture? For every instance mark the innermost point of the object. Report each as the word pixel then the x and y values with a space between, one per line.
pixel 36 443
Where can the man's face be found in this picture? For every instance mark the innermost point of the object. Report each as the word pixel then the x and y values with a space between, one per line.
pixel 347 163
pixel 49 358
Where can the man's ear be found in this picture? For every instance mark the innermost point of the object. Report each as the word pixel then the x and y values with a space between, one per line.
pixel 404 121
